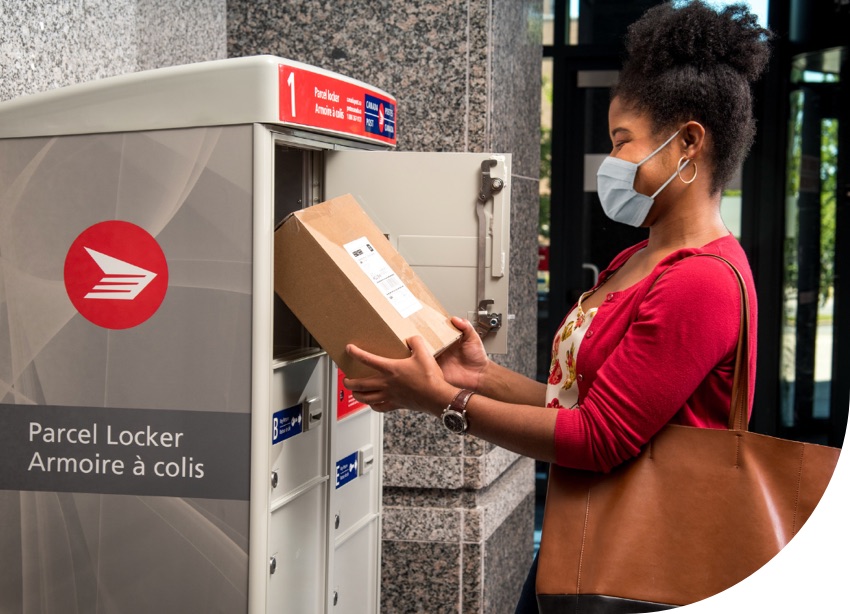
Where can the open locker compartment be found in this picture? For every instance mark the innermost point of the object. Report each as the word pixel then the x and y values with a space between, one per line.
pixel 436 229
pixel 448 215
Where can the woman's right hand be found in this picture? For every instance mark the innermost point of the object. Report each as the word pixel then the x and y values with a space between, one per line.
pixel 465 361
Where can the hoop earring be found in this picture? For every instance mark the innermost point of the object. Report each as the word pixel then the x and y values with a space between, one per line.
pixel 680 166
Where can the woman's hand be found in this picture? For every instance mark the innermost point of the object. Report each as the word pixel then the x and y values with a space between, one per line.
pixel 415 383
pixel 465 361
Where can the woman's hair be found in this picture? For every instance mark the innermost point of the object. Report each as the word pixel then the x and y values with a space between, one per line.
pixel 691 62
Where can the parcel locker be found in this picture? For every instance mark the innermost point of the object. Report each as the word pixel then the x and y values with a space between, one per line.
pixel 174 439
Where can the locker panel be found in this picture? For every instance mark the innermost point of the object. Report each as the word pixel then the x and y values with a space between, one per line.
pixel 299 424
pixel 354 499
pixel 297 547
pixel 354 586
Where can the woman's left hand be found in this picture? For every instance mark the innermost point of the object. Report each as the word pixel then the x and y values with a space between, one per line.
pixel 413 383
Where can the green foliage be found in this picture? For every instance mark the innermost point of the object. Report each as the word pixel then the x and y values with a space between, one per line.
pixel 828 193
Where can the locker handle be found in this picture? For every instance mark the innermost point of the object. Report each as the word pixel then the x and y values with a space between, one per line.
pixel 366 459
pixel 490 190
pixel 312 410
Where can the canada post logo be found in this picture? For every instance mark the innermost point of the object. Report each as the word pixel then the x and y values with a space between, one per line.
pixel 380 117
pixel 116 274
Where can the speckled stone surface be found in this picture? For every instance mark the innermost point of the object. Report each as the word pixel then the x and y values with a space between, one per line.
pixel 466 74
pixel 419 51
pixel 419 452
pixel 450 515
pixel 173 32
pixel 45 45
pixel 421 577
pixel 48 45
pixel 507 560
pixel 472 558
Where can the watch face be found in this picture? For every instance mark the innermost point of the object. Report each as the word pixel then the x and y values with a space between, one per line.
pixel 454 421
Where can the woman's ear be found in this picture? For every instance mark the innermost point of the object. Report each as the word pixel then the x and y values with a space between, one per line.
pixel 693 139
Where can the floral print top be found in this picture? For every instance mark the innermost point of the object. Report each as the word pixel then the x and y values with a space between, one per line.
pixel 561 388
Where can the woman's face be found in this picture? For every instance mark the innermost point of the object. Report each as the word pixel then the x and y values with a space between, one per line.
pixel 632 140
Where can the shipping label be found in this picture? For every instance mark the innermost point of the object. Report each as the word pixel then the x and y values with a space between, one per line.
pixel 384 278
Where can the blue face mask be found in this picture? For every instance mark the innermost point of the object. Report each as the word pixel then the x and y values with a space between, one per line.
pixel 615 183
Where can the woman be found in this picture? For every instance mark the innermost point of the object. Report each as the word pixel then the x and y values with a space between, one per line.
pixel 633 355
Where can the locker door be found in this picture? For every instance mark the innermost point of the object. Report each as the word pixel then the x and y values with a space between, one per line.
pixel 429 206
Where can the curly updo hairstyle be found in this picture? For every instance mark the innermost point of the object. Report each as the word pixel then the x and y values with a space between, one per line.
pixel 691 62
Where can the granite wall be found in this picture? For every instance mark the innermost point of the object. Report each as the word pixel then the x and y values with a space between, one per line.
pixel 458 512
pixel 44 45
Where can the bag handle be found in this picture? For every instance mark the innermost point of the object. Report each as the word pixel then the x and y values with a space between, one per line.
pixel 739 418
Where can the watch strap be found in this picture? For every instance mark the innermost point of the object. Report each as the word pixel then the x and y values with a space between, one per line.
pixel 461 399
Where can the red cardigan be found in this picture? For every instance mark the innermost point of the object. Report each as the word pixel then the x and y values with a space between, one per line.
pixel 655 357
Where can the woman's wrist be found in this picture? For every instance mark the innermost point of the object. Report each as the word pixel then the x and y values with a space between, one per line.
pixel 443 399
pixel 485 381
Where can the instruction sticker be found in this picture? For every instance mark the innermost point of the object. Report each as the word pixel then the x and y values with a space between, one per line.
pixel 346 469
pixel 384 278
pixel 287 423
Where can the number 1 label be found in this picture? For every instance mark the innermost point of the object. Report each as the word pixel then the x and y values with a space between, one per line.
pixel 290 81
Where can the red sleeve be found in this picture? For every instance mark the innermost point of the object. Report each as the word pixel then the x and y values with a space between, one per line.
pixel 685 326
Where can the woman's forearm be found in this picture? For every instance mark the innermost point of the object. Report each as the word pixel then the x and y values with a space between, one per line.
pixel 524 429
pixel 503 384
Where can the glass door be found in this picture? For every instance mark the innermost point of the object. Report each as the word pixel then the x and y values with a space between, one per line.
pixel 813 382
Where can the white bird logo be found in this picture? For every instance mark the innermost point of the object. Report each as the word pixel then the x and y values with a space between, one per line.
pixel 121 280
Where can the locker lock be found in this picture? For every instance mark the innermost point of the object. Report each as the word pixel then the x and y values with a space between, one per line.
pixel 486 321
pixel 275 479
pixel 489 185
pixel 336 597
pixel 272 565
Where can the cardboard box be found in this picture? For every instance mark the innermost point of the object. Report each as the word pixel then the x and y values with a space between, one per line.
pixel 346 283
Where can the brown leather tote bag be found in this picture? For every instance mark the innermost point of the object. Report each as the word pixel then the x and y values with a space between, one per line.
pixel 697 511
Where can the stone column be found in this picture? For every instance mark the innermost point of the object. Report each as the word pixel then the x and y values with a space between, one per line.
pixel 45 45
pixel 458 512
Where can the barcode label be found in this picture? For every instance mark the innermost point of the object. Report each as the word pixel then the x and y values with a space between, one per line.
pixel 384 278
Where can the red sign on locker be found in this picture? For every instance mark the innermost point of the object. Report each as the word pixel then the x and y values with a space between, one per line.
pixel 319 100
pixel 346 403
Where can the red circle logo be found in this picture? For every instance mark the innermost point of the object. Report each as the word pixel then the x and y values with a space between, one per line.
pixel 116 274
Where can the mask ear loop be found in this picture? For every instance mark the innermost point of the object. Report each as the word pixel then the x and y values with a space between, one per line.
pixel 680 166
pixel 660 147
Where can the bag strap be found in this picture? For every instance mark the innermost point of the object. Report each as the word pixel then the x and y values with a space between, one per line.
pixel 739 418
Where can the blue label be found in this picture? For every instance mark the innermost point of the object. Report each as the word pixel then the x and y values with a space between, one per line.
pixel 346 470
pixel 287 423
pixel 380 117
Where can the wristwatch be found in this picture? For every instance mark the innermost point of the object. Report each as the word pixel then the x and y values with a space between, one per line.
pixel 454 416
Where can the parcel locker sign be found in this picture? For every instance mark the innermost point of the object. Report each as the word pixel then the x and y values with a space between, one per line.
pixel 125 451
pixel 319 100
